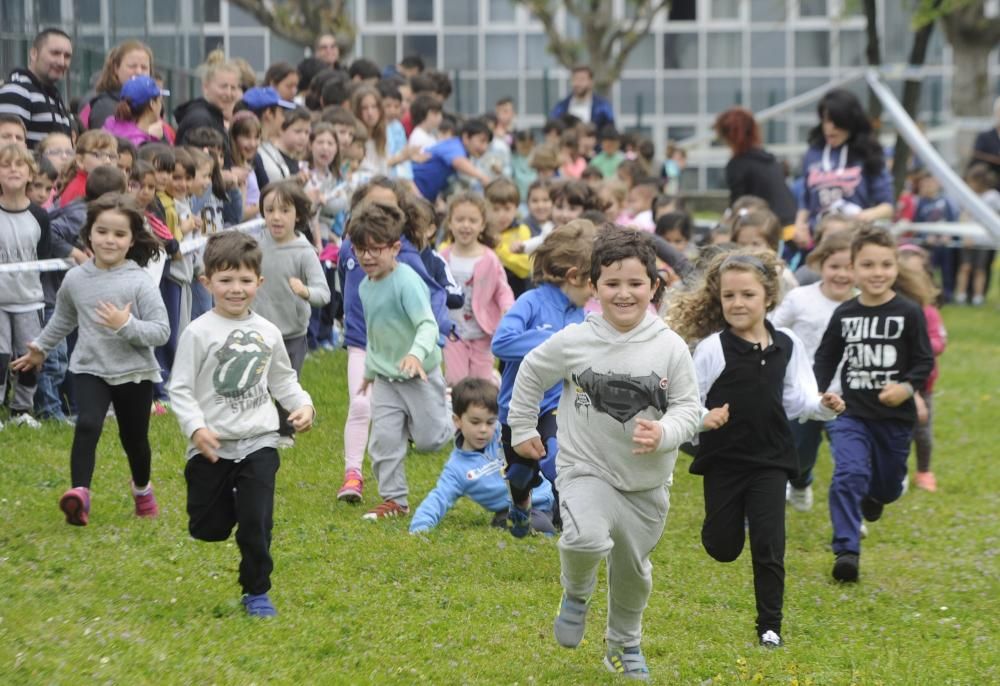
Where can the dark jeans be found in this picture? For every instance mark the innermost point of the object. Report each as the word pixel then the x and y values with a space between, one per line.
pixel 923 435
pixel 227 493
pixel 171 293
pixel 807 437
pixel 520 492
pixel 297 349
pixel 131 402
pixel 734 498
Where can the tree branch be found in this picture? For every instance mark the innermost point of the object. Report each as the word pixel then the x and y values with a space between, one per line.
pixel 301 21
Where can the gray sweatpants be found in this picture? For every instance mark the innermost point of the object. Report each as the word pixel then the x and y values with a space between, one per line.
pixel 599 521
pixel 402 410
pixel 17 330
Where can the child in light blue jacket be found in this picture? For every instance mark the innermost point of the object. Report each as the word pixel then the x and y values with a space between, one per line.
pixel 475 467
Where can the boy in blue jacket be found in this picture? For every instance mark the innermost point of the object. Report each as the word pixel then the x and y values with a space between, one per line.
pixel 475 465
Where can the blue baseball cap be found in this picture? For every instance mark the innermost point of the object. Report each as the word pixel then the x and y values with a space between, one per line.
pixel 259 99
pixel 140 89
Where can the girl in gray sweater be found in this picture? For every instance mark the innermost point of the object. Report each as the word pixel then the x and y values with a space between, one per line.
pixel 121 318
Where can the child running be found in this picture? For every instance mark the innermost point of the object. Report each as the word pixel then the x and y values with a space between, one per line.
pixel 887 358
pixel 230 362
pixel 475 467
pixel 487 296
pixel 120 317
pixel 629 399
pixel 752 378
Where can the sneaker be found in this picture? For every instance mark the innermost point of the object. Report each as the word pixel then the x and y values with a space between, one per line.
pixel 770 639
pixel 801 498
pixel 385 510
pixel 258 605
pixel 863 531
pixel 350 492
pixel 75 503
pixel 978 300
pixel 158 409
pixel 286 441
pixel 629 662
pixel 519 522
pixel 925 481
pixel 24 419
pixel 845 568
pixel 906 487
pixel 570 622
pixel 871 509
pixel 145 501
pixel 960 298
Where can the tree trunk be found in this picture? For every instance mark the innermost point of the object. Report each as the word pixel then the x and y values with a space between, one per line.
pixel 874 55
pixel 911 103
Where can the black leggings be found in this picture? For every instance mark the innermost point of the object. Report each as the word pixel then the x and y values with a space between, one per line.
pixel 132 402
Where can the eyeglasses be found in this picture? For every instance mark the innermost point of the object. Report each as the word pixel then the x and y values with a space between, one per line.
pixel 370 251
pixel 104 156
pixel 59 152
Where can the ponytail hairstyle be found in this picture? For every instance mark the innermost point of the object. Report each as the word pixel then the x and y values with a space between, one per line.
pixel 145 246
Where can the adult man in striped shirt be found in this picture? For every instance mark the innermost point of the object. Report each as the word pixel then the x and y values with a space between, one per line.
pixel 33 94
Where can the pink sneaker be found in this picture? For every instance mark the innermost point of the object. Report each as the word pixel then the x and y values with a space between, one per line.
pixel 354 484
pixel 75 503
pixel 145 503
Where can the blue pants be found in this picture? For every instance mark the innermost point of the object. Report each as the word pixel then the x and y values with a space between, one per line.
pixel 807 437
pixel 201 299
pixel 171 293
pixel 869 458
pixel 48 397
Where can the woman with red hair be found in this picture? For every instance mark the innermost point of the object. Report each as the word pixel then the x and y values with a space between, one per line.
pixel 752 170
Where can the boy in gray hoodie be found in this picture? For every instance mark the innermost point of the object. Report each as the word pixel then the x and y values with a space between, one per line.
pixel 629 399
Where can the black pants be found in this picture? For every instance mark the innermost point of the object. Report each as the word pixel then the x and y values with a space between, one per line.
pixel 297 349
pixel 759 497
pixel 213 509
pixel 132 402
pixel 547 465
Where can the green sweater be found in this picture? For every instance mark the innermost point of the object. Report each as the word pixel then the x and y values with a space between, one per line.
pixel 608 164
pixel 400 322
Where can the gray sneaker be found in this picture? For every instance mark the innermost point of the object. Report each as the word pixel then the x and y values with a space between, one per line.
pixel 801 499
pixel 570 621
pixel 629 662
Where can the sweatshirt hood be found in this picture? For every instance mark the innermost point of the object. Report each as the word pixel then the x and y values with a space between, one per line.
pixel 645 330
pixel 190 106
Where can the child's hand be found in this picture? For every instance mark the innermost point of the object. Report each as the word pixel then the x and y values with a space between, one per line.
pixel 646 437
pixel 302 418
pixel 517 247
pixel 895 394
pixel 187 226
pixel 365 385
pixel 531 449
pixel 206 442
pixel 716 418
pixel 32 359
pixel 833 402
pixel 298 288
pixel 411 367
pixel 111 317
pixel 78 256
pixel 922 413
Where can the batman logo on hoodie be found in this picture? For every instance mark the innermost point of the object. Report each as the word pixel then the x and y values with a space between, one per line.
pixel 620 396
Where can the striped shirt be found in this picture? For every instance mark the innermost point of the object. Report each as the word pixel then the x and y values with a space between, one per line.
pixel 40 107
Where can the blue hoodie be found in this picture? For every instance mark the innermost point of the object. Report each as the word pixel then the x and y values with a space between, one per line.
pixel 836 189
pixel 535 316
pixel 477 475
pixel 351 275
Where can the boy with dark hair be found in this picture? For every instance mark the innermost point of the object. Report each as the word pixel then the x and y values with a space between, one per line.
pixel 511 233
pixel 451 156
pixel 362 70
pixel 232 361
pixel 610 156
pixel 426 114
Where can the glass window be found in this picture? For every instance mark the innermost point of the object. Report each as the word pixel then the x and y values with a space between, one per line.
pixel 380 49
pixel 502 53
pixel 767 10
pixel 679 133
pixel 88 12
pixel 49 11
pixel 715 179
pixel 130 14
pixel 540 96
pixel 680 96
pixel 284 50
pixel 536 54
pixel 725 50
pixel 812 8
pixel 425 46
pixel 240 17
pixel 765 92
pixel 643 56
pixel 689 179
pixel 812 48
pixel 420 10
pixel 723 94
pixel 725 9
pixel 502 10
pixel 165 11
pixel 461 51
pixel 680 51
pixel 212 11
pixel 251 48
pixel 378 10
pixel 767 50
pixel 638 96
pixel 932 97
pixel 164 50
pixel 460 12
pixel 465 96
pixel 852 48
pixel 500 88
pixel 935 49
pixel 804 84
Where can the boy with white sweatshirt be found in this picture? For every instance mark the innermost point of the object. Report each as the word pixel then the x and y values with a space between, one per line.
pixel 629 399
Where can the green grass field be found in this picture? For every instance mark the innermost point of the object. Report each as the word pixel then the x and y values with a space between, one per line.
pixel 128 601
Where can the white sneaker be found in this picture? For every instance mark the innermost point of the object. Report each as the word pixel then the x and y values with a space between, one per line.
pixel 770 639
pixel 864 530
pixel 801 498
pixel 25 419
pixel 788 491
pixel 906 486
pixel 286 441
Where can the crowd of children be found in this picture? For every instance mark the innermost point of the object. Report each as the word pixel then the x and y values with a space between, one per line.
pixel 534 306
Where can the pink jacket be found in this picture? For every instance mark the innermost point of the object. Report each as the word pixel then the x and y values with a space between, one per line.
pixel 491 296
pixel 939 339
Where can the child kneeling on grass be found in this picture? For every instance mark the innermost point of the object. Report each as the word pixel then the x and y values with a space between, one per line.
pixel 629 399
pixel 475 467
pixel 229 363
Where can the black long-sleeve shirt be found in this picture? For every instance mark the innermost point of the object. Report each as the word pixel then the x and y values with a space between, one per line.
pixel 884 344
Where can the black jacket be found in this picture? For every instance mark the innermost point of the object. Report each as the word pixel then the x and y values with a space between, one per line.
pixel 757 172
pixel 197 113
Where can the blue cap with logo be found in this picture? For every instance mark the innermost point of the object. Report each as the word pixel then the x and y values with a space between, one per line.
pixel 140 89
pixel 259 99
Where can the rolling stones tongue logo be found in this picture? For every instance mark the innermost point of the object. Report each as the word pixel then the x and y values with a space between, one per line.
pixel 242 361
pixel 620 396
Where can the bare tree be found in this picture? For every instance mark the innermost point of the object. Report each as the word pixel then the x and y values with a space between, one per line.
pixel 302 21
pixel 605 42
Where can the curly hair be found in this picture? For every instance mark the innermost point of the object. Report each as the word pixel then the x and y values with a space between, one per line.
pixel 737 127
pixel 698 312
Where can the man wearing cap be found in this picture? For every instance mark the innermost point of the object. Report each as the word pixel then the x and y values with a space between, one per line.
pixel 138 115
pixel 33 94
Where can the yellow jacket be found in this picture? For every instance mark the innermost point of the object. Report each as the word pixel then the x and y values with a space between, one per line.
pixel 519 264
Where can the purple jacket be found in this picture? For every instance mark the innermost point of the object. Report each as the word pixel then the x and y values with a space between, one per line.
pixel 128 130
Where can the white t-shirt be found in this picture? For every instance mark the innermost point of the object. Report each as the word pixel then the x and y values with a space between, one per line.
pixel 581 109
pixel 466 326
pixel 421 138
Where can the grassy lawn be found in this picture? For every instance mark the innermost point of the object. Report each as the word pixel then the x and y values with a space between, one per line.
pixel 127 601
